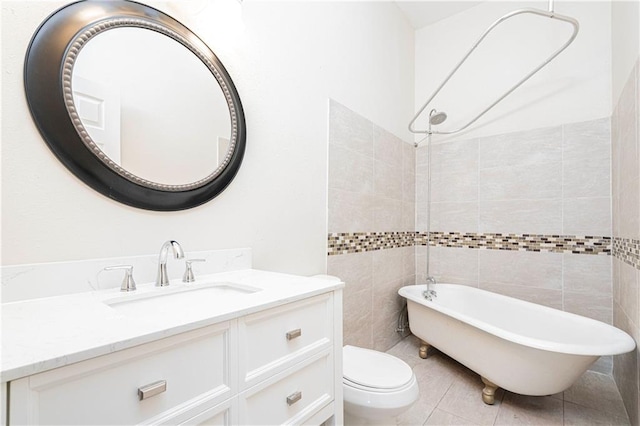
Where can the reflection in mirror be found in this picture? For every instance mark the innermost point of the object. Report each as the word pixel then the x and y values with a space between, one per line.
pixel 151 105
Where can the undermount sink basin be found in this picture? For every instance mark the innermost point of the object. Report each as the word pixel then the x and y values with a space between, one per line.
pixel 183 299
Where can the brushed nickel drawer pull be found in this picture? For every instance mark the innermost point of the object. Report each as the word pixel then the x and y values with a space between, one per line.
pixel 294 333
pixel 294 397
pixel 152 390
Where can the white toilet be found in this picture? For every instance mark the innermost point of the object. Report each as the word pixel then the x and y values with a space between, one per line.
pixel 378 387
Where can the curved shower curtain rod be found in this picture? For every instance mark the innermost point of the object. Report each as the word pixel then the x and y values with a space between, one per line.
pixel 549 14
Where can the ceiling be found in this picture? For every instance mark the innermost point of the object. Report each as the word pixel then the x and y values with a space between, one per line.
pixel 426 12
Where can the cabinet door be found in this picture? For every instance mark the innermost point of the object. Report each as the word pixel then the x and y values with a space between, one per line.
pixel 180 373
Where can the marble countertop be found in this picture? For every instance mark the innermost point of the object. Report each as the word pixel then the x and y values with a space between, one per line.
pixel 42 334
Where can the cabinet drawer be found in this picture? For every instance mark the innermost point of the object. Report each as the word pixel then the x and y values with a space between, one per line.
pixel 292 396
pixel 274 340
pixel 194 366
pixel 224 414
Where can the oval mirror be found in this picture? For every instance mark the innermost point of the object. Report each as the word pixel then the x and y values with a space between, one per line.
pixel 134 104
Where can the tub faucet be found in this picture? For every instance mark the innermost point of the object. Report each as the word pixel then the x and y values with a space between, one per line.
pixel 428 293
pixel 162 279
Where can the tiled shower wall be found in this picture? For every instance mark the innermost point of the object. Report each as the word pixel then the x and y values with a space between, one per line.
pixel 371 190
pixel 525 214
pixel 553 183
pixel 534 207
pixel 626 233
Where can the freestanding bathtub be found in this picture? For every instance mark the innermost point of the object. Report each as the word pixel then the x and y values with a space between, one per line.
pixel 516 345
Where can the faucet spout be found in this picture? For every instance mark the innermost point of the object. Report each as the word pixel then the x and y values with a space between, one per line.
pixel 163 278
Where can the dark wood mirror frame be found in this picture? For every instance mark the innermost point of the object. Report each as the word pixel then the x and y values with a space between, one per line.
pixel 47 79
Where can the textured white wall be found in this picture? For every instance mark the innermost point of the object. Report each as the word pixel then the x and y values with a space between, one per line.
pixel 575 87
pixel 289 59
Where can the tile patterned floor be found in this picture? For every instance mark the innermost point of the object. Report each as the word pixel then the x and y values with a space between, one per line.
pixel 450 394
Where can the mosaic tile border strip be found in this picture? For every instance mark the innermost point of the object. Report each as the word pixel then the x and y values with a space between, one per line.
pixel 627 250
pixel 359 242
pixel 520 242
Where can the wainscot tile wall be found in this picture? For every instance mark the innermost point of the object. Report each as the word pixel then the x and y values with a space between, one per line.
pixel 626 238
pixel 371 197
pixel 525 214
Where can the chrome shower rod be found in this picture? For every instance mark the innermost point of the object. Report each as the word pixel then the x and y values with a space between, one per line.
pixel 548 14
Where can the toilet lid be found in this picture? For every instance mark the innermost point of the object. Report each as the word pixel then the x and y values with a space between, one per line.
pixel 374 369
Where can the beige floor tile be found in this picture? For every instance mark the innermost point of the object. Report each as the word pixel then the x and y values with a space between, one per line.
pixel 530 410
pixel 435 377
pixel 432 389
pixel 442 418
pixel 440 365
pixel 598 392
pixel 451 394
pixel 578 415
pixel 407 350
pixel 464 399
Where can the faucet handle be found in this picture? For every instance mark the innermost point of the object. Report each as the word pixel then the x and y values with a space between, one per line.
pixel 188 272
pixel 128 284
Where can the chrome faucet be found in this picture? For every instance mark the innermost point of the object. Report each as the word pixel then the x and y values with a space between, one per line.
pixel 163 278
pixel 428 293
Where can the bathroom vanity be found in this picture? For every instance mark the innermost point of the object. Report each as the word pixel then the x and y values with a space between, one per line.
pixel 237 347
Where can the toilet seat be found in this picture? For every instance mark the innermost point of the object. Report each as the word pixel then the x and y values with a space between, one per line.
pixel 352 385
pixel 374 371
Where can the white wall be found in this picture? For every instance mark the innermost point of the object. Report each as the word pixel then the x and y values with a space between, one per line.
pixel 575 87
pixel 625 43
pixel 288 61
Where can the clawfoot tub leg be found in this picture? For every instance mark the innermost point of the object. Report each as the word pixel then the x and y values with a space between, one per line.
pixel 424 348
pixel 489 392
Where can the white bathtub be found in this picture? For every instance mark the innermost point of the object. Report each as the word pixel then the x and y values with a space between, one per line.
pixel 519 346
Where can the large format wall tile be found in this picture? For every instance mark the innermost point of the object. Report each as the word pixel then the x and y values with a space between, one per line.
pixel 521 216
pixel 586 216
pixel 542 296
pixel 350 211
pixel 409 187
pixel 453 265
pixel 371 189
pixel 350 130
pixel 461 216
pixel 520 268
pixel 388 148
pixel 517 182
pixel 626 230
pixel 356 270
pixel 387 214
pixel 587 274
pixel 454 175
pixel 350 170
pixel 596 306
pixel 532 147
pixel 586 156
pixel 387 180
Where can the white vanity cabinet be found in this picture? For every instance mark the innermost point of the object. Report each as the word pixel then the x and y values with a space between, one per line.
pixel 287 363
pixel 196 368
pixel 273 366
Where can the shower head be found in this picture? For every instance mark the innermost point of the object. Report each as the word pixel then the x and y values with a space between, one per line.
pixel 437 117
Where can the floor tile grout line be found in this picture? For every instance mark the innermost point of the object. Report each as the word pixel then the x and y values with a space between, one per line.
pixel 439 401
